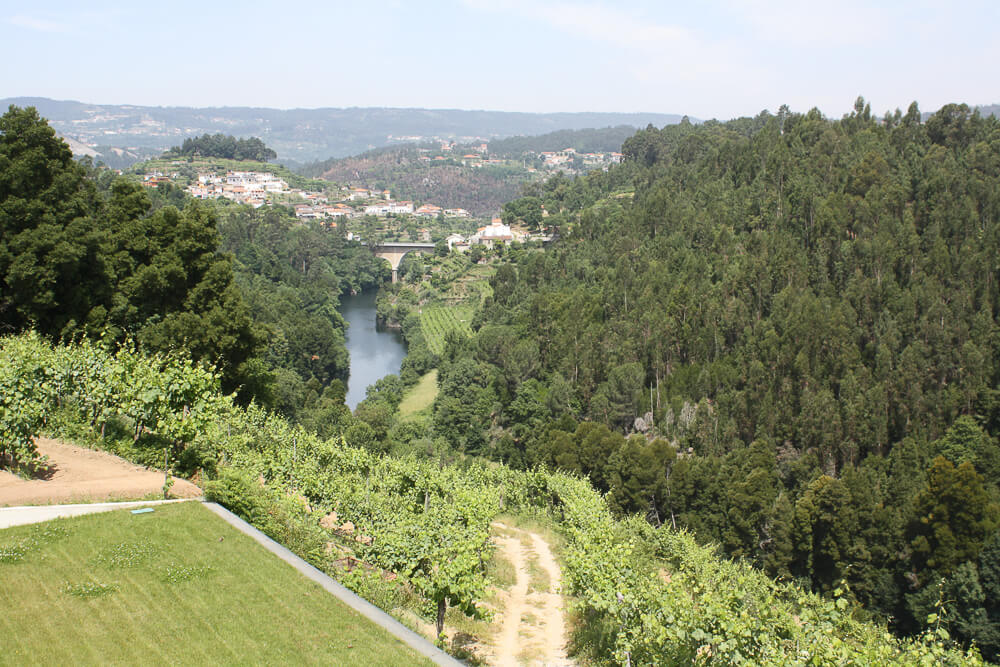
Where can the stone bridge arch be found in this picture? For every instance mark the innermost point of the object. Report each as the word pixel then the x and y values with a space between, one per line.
pixel 395 252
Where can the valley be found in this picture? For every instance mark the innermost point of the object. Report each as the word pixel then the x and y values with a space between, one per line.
pixel 726 409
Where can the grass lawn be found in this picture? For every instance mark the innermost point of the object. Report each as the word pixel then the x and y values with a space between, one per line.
pixel 177 585
pixel 419 397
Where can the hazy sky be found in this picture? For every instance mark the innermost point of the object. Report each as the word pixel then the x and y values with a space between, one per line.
pixel 714 58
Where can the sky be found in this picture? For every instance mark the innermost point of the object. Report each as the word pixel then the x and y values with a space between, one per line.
pixel 707 59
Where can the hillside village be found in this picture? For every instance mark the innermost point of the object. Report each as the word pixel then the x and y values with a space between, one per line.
pixel 257 189
pixel 567 159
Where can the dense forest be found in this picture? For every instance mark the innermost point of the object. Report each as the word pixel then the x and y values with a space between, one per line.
pixel 224 146
pixel 291 274
pixel 779 332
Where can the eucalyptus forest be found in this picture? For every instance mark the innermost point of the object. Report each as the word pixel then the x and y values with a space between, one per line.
pixel 753 382
pixel 779 333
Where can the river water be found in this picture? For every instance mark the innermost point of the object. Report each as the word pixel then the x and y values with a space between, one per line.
pixel 375 351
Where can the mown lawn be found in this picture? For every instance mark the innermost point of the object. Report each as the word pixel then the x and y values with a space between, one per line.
pixel 177 585
pixel 420 397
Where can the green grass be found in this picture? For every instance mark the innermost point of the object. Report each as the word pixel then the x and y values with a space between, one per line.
pixel 177 585
pixel 501 572
pixel 438 319
pixel 538 578
pixel 419 397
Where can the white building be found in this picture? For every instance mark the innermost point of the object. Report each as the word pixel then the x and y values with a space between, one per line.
pixel 496 232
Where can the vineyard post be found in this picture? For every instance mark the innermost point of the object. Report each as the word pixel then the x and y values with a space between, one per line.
pixel 167 481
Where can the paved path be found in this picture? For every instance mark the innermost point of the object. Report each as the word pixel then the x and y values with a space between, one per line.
pixel 19 516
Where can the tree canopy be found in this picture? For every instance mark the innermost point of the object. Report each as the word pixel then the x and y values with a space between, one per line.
pixel 805 309
pixel 76 259
pixel 225 146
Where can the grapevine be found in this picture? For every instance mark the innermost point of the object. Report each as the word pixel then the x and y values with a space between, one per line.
pixel 661 597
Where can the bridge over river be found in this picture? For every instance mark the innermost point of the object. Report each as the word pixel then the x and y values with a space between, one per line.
pixel 394 252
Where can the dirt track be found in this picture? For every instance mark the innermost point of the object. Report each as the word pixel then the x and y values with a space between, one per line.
pixel 80 474
pixel 534 625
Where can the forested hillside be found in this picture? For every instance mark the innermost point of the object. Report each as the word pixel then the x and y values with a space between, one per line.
pixel 593 140
pixel 779 332
pixel 291 274
pixel 449 184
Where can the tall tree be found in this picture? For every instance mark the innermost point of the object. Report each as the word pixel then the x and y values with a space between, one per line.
pixel 54 275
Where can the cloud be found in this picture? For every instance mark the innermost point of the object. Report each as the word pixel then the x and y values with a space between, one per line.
pixel 41 25
pixel 649 50
pixel 843 23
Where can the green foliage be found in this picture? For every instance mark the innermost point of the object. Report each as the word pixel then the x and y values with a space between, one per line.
pixel 240 494
pixel 26 395
pixel 163 396
pixel 805 310
pixel 662 598
pixel 966 441
pixel 54 272
pixel 76 261
pixel 225 146
pixel 954 515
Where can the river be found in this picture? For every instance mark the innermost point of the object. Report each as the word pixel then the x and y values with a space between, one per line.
pixel 375 351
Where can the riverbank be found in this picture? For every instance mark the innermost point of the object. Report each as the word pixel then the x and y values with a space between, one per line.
pixel 374 351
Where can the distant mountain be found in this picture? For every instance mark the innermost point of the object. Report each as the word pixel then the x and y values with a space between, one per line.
pixel 305 135
pixel 989 110
pixel 604 140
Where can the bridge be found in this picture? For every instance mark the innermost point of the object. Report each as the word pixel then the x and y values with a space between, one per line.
pixel 394 252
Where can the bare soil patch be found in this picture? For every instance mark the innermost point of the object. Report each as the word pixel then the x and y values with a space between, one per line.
pixel 534 624
pixel 80 474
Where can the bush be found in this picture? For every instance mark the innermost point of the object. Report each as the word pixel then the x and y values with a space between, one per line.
pixel 241 495
pixel 283 518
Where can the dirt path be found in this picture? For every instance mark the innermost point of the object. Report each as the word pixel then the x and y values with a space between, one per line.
pixel 534 624
pixel 80 474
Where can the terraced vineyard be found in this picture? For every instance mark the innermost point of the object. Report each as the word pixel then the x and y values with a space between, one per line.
pixel 438 319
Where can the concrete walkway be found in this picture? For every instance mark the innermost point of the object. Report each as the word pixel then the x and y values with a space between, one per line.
pixel 19 516
pixel 363 607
